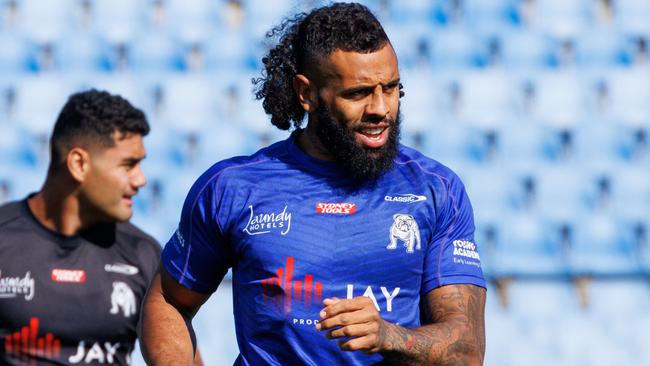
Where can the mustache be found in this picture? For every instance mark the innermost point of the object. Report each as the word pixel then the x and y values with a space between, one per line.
pixel 366 123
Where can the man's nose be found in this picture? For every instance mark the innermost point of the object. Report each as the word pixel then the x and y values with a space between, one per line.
pixel 378 104
pixel 138 180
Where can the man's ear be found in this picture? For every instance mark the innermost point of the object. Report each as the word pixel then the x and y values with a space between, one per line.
pixel 78 163
pixel 306 92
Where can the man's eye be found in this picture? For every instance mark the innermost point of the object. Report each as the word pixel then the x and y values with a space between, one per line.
pixel 357 93
pixel 390 88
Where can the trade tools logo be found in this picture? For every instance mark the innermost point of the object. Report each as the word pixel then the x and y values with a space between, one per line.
pixel 68 275
pixel 336 208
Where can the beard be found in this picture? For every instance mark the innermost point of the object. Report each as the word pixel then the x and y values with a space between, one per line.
pixel 363 164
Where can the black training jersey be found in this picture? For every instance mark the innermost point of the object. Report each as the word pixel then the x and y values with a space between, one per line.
pixel 70 300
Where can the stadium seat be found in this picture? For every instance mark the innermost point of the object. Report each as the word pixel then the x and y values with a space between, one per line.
pixel 81 53
pixel 15 148
pixel 525 49
pixel 13 54
pixel 599 48
pixel 261 15
pixel 523 143
pixel 190 102
pixel 611 302
pixel 119 20
pixel 487 17
pixel 633 15
pixel 566 18
pixel 229 51
pixel 454 48
pixel 485 98
pixel 422 106
pixel 195 20
pixel 46 22
pixel 630 93
pixel 39 99
pixel 155 52
pixel 561 190
pixel 526 248
pixel 599 248
pixel 631 190
pixel 414 11
pixel 560 99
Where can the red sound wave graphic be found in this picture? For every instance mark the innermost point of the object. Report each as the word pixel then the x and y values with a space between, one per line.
pixel 283 284
pixel 25 344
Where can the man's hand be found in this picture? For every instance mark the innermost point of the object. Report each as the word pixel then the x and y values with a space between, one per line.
pixel 355 322
pixel 452 330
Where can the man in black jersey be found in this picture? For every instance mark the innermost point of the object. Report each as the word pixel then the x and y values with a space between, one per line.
pixel 73 271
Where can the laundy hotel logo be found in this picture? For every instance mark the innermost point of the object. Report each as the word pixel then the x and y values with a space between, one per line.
pixel 268 222
pixel 15 286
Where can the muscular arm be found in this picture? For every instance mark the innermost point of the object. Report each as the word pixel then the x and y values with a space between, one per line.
pixel 165 327
pixel 453 334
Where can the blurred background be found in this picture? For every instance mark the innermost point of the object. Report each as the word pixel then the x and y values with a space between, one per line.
pixel 541 106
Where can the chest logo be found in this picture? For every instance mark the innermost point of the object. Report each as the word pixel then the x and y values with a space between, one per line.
pixel 26 343
pixel 406 230
pixel 336 208
pixel 264 223
pixel 14 286
pixel 68 275
pixel 121 268
pixel 122 299
pixel 405 198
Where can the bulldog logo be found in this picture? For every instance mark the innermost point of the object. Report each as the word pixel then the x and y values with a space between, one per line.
pixel 404 228
pixel 123 299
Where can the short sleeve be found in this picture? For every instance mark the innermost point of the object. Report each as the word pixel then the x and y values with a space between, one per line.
pixel 198 254
pixel 452 256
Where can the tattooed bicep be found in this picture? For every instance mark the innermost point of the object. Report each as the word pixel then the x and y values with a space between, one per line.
pixel 465 301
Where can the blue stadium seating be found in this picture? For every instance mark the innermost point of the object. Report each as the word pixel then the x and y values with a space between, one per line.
pixel 541 106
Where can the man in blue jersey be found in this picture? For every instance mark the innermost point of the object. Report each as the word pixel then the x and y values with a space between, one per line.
pixel 346 247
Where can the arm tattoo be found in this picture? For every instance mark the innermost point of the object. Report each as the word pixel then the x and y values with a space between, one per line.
pixel 453 332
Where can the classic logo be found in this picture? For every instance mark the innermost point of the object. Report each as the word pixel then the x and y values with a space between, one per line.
pixel 26 343
pixel 122 298
pixel 265 223
pixel 283 289
pixel 336 208
pixel 68 275
pixel 121 268
pixel 14 286
pixel 406 230
pixel 405 198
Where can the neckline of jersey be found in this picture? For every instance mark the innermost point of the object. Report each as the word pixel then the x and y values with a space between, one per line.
pixel 62 240
pixel 322 167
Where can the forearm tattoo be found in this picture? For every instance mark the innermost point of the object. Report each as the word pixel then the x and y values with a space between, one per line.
pixel 453 332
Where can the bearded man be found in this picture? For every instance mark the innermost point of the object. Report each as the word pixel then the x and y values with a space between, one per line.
pixel 347 248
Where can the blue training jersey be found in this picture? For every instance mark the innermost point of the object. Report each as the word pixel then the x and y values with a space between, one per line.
pixel 296 230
